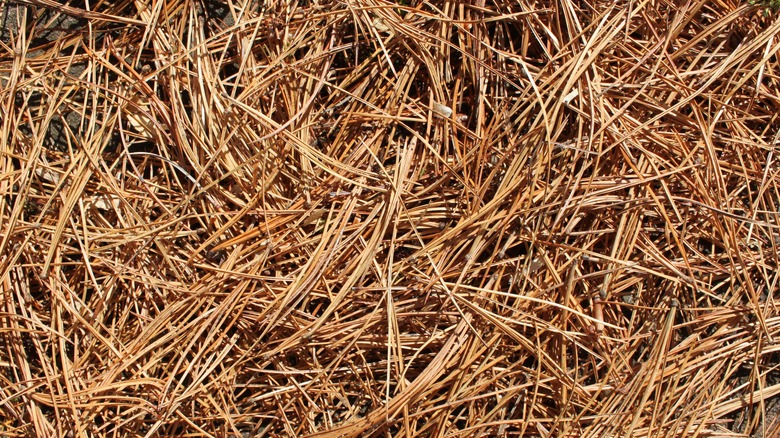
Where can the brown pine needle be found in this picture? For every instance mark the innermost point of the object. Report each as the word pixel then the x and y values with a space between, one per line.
pixel 410 218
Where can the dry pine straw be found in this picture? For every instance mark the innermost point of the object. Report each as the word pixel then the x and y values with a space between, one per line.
pixel 356 218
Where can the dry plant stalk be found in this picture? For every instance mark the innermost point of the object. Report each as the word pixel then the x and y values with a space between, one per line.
pixel 414 218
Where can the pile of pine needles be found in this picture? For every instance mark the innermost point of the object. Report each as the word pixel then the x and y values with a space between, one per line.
pixel 372 218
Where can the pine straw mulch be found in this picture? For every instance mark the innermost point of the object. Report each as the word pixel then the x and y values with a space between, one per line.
pixel 429 218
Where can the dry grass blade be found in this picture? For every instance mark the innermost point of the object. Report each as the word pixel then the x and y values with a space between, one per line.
pixel 412 218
